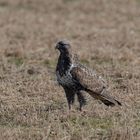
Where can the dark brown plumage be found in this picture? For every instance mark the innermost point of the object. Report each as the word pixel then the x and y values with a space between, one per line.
pixel 75 78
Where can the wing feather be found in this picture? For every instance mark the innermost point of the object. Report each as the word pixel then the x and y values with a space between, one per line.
pixel 88 78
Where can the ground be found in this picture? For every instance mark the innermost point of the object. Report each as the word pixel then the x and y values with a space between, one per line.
pixel 105 35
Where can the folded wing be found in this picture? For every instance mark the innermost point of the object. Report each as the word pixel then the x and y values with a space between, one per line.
pixel 93 84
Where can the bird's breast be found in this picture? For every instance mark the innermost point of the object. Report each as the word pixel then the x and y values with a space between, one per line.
pixel 65 80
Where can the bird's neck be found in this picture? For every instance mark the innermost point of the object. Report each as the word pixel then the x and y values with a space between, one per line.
pixel 64 63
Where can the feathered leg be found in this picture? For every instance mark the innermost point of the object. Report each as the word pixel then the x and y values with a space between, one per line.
pixel 70 95
pixel 81 99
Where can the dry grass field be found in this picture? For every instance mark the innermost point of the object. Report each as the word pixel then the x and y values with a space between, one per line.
pixel 106 36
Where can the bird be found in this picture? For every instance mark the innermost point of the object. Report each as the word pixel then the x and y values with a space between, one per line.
pixel 76 79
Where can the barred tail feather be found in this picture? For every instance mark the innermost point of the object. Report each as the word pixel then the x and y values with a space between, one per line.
pixel 105 98
pixel 108 100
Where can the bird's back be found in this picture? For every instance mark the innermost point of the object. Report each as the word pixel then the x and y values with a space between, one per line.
pixel 88 78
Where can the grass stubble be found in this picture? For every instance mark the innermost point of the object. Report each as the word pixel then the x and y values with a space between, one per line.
pixel 104 34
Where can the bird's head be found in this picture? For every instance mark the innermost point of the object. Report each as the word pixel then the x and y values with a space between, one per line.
pixel 63 46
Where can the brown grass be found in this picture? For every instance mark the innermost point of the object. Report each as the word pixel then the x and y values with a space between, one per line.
pixel 105 35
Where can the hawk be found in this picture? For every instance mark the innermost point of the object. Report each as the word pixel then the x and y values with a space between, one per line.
pixel 76 78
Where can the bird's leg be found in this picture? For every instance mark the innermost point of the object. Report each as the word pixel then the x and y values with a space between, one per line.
pixel 70 99
pixel 81 99
pixel 80 107
pixel 70 106
pixel 70 95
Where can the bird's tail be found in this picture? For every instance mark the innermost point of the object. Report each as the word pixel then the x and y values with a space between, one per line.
pixel 105 98
pixel 109 101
